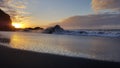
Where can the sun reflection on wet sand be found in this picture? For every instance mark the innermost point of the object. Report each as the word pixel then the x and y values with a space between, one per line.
pixel 16 41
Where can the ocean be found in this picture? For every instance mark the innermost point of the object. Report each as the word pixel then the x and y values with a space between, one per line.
pixel 92 47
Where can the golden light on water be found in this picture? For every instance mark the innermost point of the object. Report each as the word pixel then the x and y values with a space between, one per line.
pixel 17 25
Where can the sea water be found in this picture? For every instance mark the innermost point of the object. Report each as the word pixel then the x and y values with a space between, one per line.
pixel 100 48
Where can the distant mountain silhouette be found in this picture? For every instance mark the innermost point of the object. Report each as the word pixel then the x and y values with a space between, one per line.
pixel 29 29
pixel 5 22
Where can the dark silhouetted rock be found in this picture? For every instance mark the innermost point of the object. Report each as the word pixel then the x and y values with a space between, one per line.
pixel 5 21
pixel 83 32
pixel 37 28
pixel 29 29
pixel 100 32
pixel 4 40
pixel 55 29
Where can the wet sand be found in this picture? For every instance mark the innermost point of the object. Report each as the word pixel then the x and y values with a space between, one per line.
pixel 14 58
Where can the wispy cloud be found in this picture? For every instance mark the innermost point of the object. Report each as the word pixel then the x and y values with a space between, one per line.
pixel 112 5
pixel 15 8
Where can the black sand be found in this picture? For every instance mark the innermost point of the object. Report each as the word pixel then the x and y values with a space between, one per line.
pixel 13 58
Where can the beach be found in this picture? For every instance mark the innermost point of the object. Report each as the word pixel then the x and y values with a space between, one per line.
pixel 14 58
pixel 15 52
pixel 59 33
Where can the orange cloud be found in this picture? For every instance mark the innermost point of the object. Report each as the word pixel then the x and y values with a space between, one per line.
pixel 113 5
pixel 15 8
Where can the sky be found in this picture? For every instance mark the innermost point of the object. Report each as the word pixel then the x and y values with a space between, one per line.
pixel 54 10
pixel 47 11
pixel 76 14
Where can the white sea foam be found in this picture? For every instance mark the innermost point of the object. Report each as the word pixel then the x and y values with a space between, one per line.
pixel 92 33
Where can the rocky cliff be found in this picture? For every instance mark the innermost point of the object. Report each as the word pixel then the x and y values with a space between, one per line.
pixel 5 21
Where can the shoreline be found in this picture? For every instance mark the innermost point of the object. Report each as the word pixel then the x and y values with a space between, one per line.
pixel 27 59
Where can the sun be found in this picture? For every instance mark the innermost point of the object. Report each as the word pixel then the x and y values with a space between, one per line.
pixel 17 25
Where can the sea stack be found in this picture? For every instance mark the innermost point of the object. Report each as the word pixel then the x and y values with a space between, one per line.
pixel 55 29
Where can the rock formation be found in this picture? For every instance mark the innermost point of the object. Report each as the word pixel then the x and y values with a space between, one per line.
pixel 5 21
pixel 55 29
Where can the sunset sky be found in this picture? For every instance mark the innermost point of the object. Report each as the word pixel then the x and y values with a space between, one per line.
pixel 55 10
pixel 79 13
pixel 48 11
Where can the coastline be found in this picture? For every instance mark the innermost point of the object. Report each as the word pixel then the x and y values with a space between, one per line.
pixel 27 59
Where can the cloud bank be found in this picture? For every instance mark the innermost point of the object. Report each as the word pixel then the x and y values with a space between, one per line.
pixel 15 8
pixel 98 21
pixel 113 5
